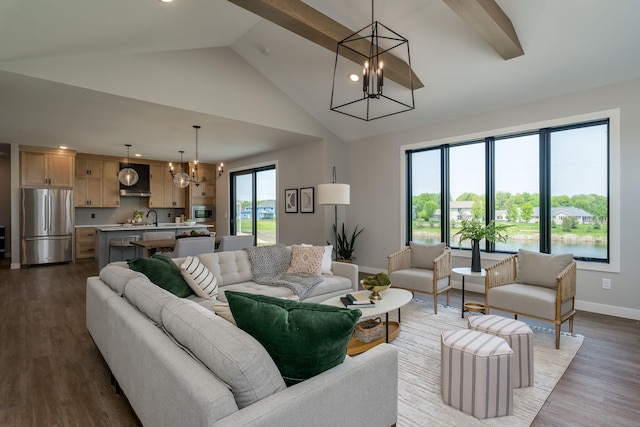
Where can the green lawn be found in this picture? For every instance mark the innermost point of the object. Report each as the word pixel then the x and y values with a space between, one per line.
pixel 521 228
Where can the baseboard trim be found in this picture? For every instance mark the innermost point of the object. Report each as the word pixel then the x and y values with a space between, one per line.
pixel 591 307
pixel 15 266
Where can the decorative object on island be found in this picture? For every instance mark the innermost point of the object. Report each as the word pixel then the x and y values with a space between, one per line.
pixel 128 176
pixel 306 200
pixel 345 244
pixel 376 284
pixel 373 100
pixel 475 231
pixel 291 200
pixel 334 194
pixel 180 179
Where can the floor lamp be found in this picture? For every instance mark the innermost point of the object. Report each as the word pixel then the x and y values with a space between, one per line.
pixel 334 194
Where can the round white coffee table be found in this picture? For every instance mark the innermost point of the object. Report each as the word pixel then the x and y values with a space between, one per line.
pixel 392 299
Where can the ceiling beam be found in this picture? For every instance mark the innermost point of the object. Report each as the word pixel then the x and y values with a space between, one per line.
pixel 302 19
pixel 493 25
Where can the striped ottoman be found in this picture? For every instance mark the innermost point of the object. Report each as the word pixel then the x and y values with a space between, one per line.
pixel 519 337
pixel 476 373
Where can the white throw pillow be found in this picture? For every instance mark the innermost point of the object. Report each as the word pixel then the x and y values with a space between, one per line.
pixel 199 278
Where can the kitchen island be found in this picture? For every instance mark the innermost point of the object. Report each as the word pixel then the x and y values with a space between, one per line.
pixel 104 233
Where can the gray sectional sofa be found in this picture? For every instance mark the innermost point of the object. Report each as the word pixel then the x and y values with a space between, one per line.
pixel 179 363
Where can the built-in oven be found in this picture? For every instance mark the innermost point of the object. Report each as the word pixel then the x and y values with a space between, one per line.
pixel 203 213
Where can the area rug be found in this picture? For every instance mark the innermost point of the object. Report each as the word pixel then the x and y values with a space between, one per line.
pixel 419 399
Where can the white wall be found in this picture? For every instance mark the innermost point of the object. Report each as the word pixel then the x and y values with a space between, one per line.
pixel 303 166
pixel 375 177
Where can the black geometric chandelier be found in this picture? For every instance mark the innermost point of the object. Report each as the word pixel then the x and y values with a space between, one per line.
pixel 375 97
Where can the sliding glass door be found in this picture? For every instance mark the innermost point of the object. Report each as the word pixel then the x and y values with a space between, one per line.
pixel 253 204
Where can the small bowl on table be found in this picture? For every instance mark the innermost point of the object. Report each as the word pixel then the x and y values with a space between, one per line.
pixel 375 290
pixel 189 223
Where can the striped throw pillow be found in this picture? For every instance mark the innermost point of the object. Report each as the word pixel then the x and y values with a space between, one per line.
pixel 199 278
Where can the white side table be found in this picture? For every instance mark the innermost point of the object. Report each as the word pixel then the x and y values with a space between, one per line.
pixel 470 306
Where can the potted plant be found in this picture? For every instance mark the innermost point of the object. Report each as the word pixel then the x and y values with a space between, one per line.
pixel 475 231
pixel 345 243
pixel 137 215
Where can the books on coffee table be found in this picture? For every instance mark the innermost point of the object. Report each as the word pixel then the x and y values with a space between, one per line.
pixel 355 300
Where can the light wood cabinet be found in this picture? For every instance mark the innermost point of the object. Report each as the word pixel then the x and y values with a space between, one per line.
pixel 205 193
pixel 164 193
pixel 46 169
pixel 96 183
pixel 88 167
pixel 85 242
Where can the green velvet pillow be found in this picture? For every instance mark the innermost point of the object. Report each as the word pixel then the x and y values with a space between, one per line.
pixel 303 338
pixel 162 271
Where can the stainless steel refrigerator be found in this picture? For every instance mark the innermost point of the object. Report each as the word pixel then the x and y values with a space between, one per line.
pixel 46 225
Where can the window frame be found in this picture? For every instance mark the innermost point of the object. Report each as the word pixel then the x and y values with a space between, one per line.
pixel 610 116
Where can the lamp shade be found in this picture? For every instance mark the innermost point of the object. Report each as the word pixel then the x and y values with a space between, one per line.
pixel 333 194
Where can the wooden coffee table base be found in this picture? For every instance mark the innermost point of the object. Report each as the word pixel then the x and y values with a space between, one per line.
pixel 357 347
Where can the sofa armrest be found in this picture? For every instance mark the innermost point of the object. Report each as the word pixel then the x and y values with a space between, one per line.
pixel 345 269
pixel 399 260
pixel 501 273
pixel 442 265
pixel 334 398
pixel 567 282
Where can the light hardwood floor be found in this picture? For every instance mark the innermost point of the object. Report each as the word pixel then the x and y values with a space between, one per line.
pixel 51 373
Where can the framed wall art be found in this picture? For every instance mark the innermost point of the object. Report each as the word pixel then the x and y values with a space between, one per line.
pixel 307 200
pixel 291 200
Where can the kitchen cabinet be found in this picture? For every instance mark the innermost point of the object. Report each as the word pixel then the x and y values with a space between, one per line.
pixel 88 192
pixel 164 193
pixel 85 242
pixel 46 169
pixel 88 167
pixel 205 193
pixel 96 183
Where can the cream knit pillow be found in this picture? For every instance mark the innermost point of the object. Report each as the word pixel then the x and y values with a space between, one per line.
pixel 306 260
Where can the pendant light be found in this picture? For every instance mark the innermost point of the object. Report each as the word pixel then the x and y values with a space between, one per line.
pixel 180 179
pixel 128 176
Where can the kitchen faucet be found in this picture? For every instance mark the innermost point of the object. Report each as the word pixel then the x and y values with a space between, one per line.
pixel 155 223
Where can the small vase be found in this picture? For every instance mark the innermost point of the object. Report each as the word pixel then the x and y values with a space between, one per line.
pixel 475 257
pixel 138 219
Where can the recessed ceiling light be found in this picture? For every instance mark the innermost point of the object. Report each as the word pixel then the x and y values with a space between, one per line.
pixel 138 155
pixel 63 147
pixel 354 77
pixel 166 1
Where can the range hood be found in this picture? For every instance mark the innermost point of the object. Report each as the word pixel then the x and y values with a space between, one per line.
pixel 142 188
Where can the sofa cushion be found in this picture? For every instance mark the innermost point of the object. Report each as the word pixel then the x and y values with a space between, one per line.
pixel 306 260
pixel 117 277
pixel 230 353
pixel 327 259
pixel 304 339
pixel 162 271
pixel 229 267
pixel 422 256
pixel 199 278
pixel 539 269
pixel 147 297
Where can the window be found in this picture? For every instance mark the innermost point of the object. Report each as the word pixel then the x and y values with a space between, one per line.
pixel 253 204
pixel 551 185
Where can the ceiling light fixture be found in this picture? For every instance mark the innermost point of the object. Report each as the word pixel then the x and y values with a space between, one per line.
pixel 354 77
pixel 378 97
pixel 128 176
pixel 182 179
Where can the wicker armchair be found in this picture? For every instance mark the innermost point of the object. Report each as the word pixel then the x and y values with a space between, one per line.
pixel 428 281
pixel 502 292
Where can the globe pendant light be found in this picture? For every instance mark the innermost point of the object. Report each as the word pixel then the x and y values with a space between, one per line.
pixel 180 179
pixel 128 176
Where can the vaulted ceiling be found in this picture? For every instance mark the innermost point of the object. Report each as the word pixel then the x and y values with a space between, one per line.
pixel 94 75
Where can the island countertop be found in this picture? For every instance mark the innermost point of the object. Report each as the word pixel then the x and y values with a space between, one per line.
pixel 104 233
pixel 161 226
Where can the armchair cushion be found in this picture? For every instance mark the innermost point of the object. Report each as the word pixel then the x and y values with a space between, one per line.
pixel 418 279
pixel 422 256
pixel 539 301
pixel 539 269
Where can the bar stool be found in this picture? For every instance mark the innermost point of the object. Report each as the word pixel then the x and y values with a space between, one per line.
pixel 122 242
